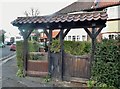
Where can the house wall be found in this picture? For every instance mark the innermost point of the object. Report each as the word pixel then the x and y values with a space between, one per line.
pixel 113 26
pixel 113 23
pixel 76 35
pixel 113 12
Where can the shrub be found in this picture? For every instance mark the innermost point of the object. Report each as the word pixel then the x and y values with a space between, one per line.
pixel 77 48
pixel 71 47
pixel 55 46
pixel 106 66
pixel 37 56
pixel 33 46
pixel 19 52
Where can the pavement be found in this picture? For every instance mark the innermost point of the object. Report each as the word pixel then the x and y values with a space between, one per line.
pixel 9 78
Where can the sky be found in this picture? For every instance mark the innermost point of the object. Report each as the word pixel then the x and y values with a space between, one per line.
pixel 11 9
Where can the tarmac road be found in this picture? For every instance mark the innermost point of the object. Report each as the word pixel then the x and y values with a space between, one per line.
pixel 5 51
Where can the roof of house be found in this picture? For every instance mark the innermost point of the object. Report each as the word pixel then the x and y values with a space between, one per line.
pixel 75 7
pixel 87 6
pixel 54 34
pixel 106 3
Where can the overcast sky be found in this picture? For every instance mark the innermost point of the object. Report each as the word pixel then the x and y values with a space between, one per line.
pixel 11 9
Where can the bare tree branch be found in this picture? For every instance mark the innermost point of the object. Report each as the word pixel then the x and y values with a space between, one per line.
pixel 32 12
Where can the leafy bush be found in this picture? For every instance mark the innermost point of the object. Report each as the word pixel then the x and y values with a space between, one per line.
pixel 19 52
pixel 47 78
pixel 55 46
pixel 37 56
pixel 33 46
pixel 71 47
pixel 106 66
pixel 77 48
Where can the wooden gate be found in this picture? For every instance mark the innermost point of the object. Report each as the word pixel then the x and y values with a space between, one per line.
pixel 76 68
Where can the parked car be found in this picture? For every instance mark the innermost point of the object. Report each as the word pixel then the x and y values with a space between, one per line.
pixel 8 43
pixel 13 47
pixel 2 45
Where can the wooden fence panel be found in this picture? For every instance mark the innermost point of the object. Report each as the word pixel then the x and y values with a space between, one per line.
pixel 76 66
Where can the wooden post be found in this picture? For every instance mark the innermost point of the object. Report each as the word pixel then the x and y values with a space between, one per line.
pixel 25 55
pixel 25 33
pixel 49 53
pixel 93 43
pixel 93 36
pixel 92 47
pixel 61 54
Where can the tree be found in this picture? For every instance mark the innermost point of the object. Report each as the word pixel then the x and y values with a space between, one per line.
pixel 2 35
pixel 32 12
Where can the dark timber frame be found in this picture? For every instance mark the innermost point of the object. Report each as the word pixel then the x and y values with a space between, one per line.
pixel 27 28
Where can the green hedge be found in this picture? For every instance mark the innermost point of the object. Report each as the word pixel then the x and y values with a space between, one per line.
pixel 77 48
pixel 33 47
pixel 37 56
pixel 106 66
pixel 19 55
pixel 72 47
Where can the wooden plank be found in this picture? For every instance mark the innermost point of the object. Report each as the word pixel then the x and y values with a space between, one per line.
pixel 78 69
pixel 75 79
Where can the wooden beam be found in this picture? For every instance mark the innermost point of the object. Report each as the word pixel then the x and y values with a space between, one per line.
pixel 29 32
pixel 46 32
pixel 88 32
pixel 99 30
pixel 62 53
pixel 66 32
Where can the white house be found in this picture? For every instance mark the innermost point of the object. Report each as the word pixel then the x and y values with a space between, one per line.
pixel 113 23
pixel 76 35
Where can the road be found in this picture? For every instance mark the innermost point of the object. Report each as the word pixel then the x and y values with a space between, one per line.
pixel 9 78
pixel 5 51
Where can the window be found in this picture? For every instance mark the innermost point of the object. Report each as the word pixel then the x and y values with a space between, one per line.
pixel 78 38
pixel 73 38
pixel 18 37
pixel 83 37
pixel 69 38
pixel 111 36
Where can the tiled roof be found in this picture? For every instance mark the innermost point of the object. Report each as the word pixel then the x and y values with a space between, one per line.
pixel 62 18
pixel 106 3
pixel 76 7
pixel 87 6
pixel 54 34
